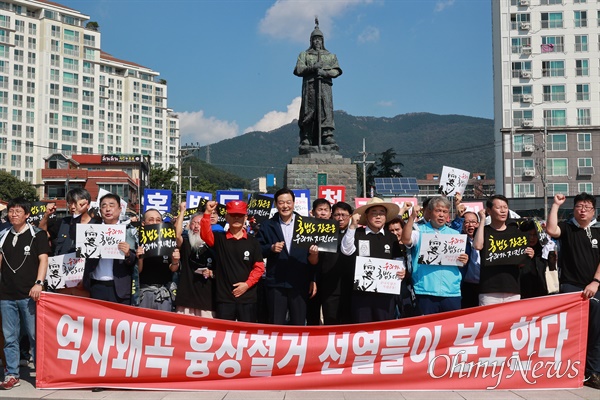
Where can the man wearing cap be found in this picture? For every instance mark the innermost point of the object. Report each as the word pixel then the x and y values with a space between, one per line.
pixel 437 286
pixel 372 240
pixel 240 263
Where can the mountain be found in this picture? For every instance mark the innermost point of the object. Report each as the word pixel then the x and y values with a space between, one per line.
pixel 424 143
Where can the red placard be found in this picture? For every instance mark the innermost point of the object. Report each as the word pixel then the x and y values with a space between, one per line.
pixel 529 344
pixel 332 194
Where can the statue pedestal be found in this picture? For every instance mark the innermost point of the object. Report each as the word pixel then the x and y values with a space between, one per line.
pixel 302 173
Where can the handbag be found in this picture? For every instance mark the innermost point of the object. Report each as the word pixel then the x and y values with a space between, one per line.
pixel 552 280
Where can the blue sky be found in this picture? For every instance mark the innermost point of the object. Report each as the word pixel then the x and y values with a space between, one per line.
pixel 229 63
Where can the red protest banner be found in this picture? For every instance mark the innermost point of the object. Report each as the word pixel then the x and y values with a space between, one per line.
pixel 530 344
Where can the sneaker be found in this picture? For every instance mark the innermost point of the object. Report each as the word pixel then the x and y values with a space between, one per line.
pixel 10 382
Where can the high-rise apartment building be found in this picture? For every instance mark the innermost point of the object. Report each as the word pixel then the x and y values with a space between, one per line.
pixel 60 93
pixel 546 96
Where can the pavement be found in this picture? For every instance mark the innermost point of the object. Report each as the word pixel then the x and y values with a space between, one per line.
pixel 27 390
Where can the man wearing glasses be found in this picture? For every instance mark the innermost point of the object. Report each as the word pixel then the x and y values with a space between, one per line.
pixel 579 266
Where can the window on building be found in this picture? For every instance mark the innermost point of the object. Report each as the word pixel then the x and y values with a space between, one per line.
pixel 557 43
pixel 520 116
pixel 581 43
pixel 557 166
pixel 557 142
pixel 552 20
pixel 555 117
pixel 584 141
pixel 555 188
pixel 523 165
pixel 554 92
pixel 518 142
pixel 583 92
pixel 587 187
pixel 519 45
pixel 553 68
pixel 584 162
pixel 580 19
pixel 524 190
pixel 520 21
pixel 582 68
pixel 584 116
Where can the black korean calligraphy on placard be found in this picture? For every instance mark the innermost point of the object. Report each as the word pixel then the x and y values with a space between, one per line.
pixel 322 232
pixel 157 239
pixel 259 207
pixel 505 248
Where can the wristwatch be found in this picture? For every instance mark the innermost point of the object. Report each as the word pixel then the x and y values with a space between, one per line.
pixel 596 280
pixel 39 282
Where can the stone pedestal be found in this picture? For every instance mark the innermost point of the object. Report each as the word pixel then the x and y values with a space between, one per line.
pixel 303 170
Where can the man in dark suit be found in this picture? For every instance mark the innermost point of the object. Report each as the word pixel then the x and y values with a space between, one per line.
pixel 290 268
pixel 107 279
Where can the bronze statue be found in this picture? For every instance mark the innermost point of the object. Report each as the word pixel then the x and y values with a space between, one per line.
pixel 317 67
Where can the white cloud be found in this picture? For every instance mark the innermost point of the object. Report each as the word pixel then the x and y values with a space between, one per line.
pixel 294 20
pixel 195 127
pixel 370 34
pixel 385 103
pixel 275 119
pixel 441 5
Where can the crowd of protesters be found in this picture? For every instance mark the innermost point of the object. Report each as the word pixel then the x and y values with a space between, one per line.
pixel 260 275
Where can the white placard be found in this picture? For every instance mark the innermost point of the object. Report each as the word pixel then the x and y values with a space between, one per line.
pixel 65 271
pixel 441 249
pixel 99 241
pixel 377 275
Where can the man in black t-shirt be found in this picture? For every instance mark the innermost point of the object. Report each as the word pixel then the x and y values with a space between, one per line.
pixel 579 265
pixel 24 261
pixel 240 263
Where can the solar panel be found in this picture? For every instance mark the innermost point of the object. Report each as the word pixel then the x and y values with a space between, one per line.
pixel 396 186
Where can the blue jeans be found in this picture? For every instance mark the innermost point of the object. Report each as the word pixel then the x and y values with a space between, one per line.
pixel 13 313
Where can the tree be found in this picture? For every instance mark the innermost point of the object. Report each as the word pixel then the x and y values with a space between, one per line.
pixel 162 179
pixel 386 166
pixel 11 187
pixel 92 25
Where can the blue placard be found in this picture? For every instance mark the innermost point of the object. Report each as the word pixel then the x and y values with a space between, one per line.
pixel 157 199
pixel 193 198
pixel 225 196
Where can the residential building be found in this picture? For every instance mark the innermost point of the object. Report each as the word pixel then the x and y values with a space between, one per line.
pixel 546 96
pixel 60 93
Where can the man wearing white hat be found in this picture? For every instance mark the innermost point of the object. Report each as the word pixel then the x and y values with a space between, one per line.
pixel 372 240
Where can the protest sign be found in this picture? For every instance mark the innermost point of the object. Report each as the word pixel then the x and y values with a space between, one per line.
pixel 37 211
pixel 157 239
pixel 322 232
pixel 535 344
pixel 99 241
pixel 453 181
pixel 64 271
pixel 192 199
pixel 377 275
pixel 259 207
pixel 441 249
pixel 332 193
pixel 505 248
